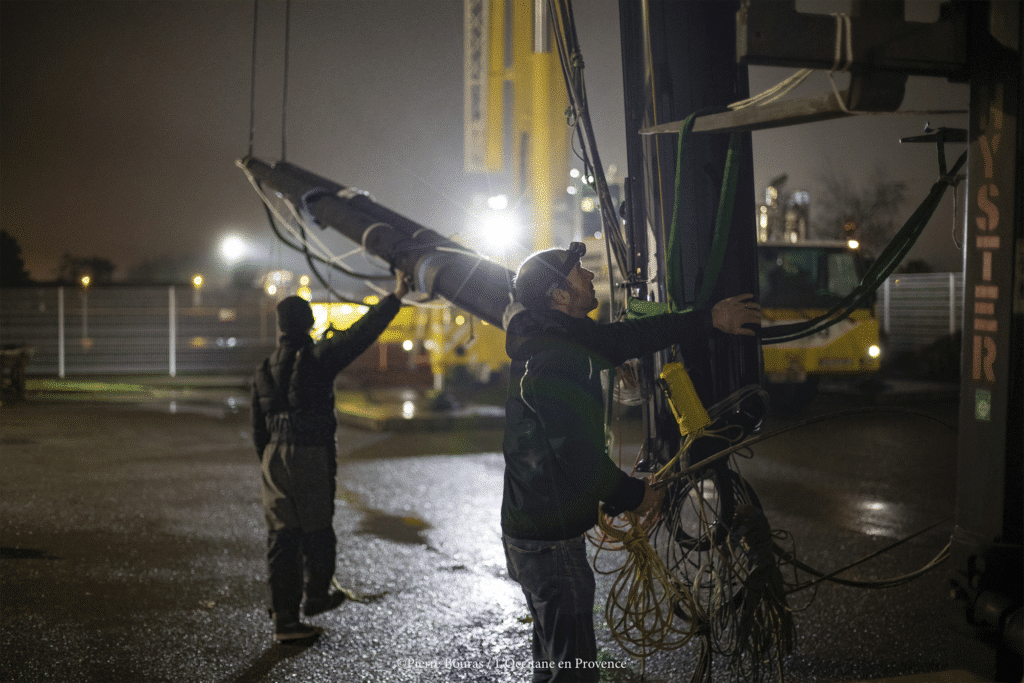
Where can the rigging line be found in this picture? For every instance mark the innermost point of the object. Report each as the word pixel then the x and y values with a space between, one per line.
pixel 732 448
pixel 284 89
pixel 320 277
pixel 775 92
pixel 883 266
pixel 303 216
pixel 572 70
pixel 304 239
pixel 831 576
pixel 252 77
pixel 272 212
pixel 298 247
pixel 659 189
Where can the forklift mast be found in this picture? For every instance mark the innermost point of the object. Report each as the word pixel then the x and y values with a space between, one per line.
pixel 980 43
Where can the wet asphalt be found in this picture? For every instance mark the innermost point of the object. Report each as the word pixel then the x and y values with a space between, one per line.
pixel 132 547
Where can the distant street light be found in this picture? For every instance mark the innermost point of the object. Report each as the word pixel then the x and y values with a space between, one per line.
pixel 85 310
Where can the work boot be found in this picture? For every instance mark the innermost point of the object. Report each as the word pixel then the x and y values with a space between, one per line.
pixel 323 604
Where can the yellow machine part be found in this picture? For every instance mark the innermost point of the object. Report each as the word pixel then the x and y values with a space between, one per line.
pixel 842 349
pixel 455 338
pixel 448 336
pixel 682 397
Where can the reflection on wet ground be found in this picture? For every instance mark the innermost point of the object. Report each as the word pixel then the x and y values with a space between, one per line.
pixel 406 529
pixel 133 549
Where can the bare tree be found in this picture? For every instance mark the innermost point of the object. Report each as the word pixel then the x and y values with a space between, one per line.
pixel 867 212
pixel 165 269
pixel 73 268
pixel 12 265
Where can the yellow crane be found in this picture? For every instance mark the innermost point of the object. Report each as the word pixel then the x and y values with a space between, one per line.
pixel 510 66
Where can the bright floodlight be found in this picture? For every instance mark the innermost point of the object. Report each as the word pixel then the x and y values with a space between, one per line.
pixel 498 229
pixel 232 248
pixel 498 202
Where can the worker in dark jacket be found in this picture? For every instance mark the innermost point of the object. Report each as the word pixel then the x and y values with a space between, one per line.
pixel 557 470
pixel 294 433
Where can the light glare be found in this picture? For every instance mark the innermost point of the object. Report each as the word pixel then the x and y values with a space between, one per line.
pixel 498 229
pixel 498 202
pixel 232 248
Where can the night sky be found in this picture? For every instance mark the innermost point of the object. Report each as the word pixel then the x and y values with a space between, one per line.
pixel 122 121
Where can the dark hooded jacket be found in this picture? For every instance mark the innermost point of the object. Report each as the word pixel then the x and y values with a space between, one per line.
pixel 293 389
pixel 557 470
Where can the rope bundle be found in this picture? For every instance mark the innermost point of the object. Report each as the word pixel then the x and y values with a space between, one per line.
pixel 645 600
pixel 721 587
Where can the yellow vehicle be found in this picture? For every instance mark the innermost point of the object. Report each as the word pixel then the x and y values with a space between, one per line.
pixel 444 334
pixel 799 282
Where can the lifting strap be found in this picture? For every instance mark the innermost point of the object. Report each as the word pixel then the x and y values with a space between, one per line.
pixel 723 222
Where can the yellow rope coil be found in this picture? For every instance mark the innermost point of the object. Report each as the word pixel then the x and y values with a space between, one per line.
pixel 645 601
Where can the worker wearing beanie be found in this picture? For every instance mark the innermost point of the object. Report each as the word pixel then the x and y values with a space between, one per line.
pixel 557 469
pixel 294 433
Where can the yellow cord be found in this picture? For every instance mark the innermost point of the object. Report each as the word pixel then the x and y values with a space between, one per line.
pixel 644 601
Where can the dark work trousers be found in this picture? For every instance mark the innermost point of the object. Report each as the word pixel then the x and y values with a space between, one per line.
pixel 298 503
pixel 559 587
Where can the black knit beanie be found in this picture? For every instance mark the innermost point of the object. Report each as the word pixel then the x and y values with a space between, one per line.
pixel 294 315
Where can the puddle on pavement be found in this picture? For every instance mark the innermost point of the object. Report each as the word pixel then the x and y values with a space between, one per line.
pixel 196 406
pixel 405 529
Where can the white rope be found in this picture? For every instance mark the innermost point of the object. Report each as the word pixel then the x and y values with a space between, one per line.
pixel 841 62
pixel 312 242
pixel 271 206
pixel 775 92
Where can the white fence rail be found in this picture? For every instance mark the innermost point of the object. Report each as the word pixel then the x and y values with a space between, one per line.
pixel 917 309
pixel 145 330
pixel 125 330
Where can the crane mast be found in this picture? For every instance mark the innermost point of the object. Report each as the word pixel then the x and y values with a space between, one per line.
pixel 509 44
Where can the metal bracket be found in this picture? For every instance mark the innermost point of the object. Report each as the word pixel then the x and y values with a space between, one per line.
pixel 773 33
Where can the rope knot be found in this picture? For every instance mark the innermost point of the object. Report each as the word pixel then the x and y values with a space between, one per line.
pixel 634 539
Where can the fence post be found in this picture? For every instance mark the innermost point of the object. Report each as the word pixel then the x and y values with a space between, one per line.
pixel 885 305
pixel 173 330
pixel 60 332
pixel 952 304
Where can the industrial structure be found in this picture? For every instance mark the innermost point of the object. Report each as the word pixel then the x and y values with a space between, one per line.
pixel 689 238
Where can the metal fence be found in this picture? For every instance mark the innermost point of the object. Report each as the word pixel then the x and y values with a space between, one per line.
pixel 145 330
pixel 917 309
pixel 171 330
